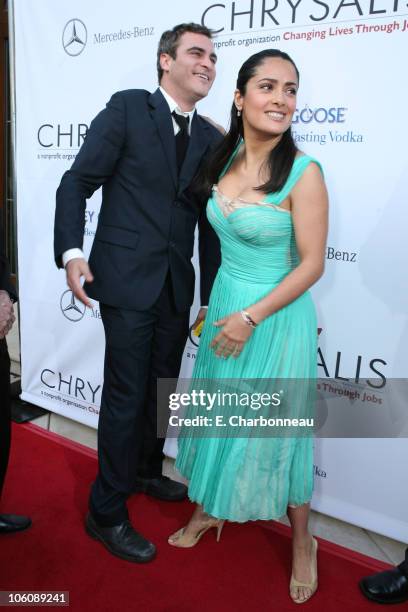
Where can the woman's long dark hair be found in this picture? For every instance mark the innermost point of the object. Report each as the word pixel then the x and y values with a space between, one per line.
pixel 281 157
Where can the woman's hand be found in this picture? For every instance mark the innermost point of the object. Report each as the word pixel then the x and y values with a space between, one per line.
pixel 231 339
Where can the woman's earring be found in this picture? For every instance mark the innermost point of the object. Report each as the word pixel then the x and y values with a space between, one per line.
pixel 238 112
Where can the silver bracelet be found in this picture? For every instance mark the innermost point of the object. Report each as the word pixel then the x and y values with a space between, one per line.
pixel 247 318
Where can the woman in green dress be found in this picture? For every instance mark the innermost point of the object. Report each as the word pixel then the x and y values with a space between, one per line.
pixel 268 205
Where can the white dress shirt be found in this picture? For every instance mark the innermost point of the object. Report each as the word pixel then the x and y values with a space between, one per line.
pixel 175 107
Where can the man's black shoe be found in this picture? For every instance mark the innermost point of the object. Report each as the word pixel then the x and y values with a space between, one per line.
pixel 163 488
pixel 389 587
pixel 10 523
pixel 122 540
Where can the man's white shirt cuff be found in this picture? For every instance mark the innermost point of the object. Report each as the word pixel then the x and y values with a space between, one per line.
pixel 71 254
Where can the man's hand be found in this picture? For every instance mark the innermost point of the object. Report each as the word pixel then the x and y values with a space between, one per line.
pixel 75 269
pixel 202 313
pixel 7 317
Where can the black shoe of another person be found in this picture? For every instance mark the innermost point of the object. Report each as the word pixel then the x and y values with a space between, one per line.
pixel 10 523
pixel 162 488
pixel 389 587
pixel 122 540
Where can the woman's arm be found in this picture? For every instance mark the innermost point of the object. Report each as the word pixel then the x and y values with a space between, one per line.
pixel 309 214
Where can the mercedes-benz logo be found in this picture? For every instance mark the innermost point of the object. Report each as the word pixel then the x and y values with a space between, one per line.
pixel 74 37
pixel 71 308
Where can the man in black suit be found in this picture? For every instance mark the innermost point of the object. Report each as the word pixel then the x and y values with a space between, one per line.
pixel 9 523
pixel 389 587
pixel 144 150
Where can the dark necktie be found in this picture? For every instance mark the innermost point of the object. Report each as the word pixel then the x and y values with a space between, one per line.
pixel 182 138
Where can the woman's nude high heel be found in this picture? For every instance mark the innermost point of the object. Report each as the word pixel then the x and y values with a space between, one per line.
pixel 183 540
pixel 312 585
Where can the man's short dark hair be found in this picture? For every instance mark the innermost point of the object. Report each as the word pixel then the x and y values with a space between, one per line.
pixel 169 40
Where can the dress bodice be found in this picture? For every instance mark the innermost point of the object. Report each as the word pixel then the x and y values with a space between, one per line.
pixel 257 238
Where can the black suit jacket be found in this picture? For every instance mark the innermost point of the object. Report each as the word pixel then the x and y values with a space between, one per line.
pixel 5 280
pixel 148 214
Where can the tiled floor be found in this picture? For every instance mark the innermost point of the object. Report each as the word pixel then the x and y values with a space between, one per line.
pixel 331 529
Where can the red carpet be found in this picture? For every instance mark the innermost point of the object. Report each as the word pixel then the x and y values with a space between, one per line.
pixel 249 569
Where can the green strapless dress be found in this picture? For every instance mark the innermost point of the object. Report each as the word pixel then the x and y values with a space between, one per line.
pixel 248 478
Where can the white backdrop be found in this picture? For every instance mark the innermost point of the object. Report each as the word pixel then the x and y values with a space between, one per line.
pixel 72 55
